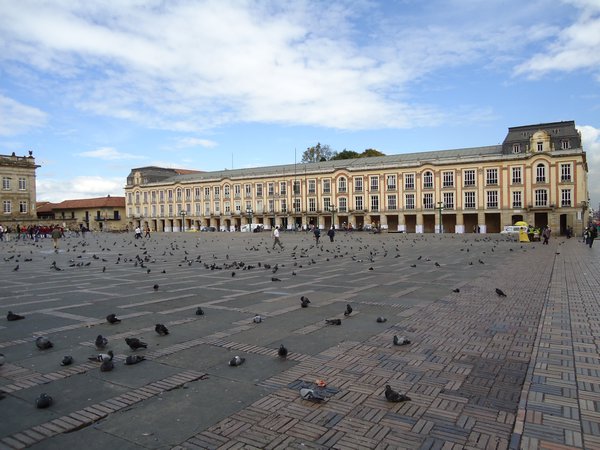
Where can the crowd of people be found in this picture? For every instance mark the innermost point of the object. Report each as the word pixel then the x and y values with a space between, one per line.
pixel 36 232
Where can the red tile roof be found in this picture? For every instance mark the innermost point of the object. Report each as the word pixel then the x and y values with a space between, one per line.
pixel 99 202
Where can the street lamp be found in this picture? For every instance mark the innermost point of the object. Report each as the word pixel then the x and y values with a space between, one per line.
pixel 333 209
pixel 249 212
pixel 182 220
pixel 440 208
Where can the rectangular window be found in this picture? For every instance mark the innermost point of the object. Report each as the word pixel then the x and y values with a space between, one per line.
pixel 312 204
pixel 227 207
pixel 283 205
pixel 391 203
pixel 565 144
pixel 327 204
pixel 162 211
pixel 409 201
pixel 469 177
pixel 197 194
pixel 342 204
pixel 342 187
pixel 170 210
pixel 358 184
pixel 517 199
pixel 188 194
pixel 516 175
pixel 374 203
pixel 217 207
pixel 449 200
pixel 565 197
pixel 409 181
pixel 374 183
pixel 198 209
pixel 283 187
pixel 297 205
pixel 271 205
pixel 470 200
pixel 22 184
pixel 259 190
pixel 327 186
pixel 217 191
pixel 271 189
pixel 492 199
pixel 5 183
pixel 153 210
pixel 23 207
pixel 312 187
pixel 207 192
pixel 391 182
pixel 358 203
pixel 540 173
pixel 207 209
pixel 516 148
pixel 491 176
pixel 248 190
pixel 540 146
pixel 447 179
pixel 565 173
pixel 541 197
pixel 296 188
pixel 178 196
pixel 153 197
pixel 428 201
pixel 238 206
pixel 428 180
pixel 169 195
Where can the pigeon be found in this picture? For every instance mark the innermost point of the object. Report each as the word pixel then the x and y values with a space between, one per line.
pixel 393 396
pixel 348 310
pixel 381 319
pixel 199 311
pixel 135 343
pixel 236 361
pixel 333 321
pixel 161 329
pixel 437 264
pixel 500 292
pixel 413 265
pixel 456 290
pixel 275 279
pixel 134 359
pixel 67 361
pixel 107 366
pixel 108 356
pixel 257 319
pixel 16 268
pixel 1 359
pixel 43 343
pixel 311 395
pixel 282 352
pixel 101 342
pixel 402 340
pixel 112 319
pixel 43 401
pixel 155 287
pixel 304 301
pixel 11 316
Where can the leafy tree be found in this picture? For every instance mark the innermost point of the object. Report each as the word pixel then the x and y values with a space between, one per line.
pixel 345 154
pixel 371 152
pixel 317 153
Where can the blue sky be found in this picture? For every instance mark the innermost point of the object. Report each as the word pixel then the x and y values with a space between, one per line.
pixel 96 88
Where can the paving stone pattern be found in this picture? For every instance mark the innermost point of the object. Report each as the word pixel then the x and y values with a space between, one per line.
pixel 482 371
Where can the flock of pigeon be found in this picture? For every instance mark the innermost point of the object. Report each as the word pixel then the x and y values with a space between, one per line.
pixel 106 356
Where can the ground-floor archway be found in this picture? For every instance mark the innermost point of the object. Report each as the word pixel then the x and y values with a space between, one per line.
pixel 410 221
pixel 428 223
pixel 492 222
pixel 470 221
pixel 449 223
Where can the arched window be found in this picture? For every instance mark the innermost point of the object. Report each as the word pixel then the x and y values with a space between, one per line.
pixel 428 180
pixel 540 173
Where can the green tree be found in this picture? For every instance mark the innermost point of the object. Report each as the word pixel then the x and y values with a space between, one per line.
pixel 345 154
pixel 371 152
pixel 317 153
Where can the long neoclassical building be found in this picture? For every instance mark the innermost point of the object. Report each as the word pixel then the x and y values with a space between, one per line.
pixel 538 174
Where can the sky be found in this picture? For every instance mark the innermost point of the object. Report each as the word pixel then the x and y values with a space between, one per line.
pixel 97 88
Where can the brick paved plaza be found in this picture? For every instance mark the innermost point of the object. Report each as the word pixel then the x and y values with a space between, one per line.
pixel 482 371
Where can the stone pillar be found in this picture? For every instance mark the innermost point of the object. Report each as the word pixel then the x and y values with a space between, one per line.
pixel 401 223
pixel 460 224
pixel 419 225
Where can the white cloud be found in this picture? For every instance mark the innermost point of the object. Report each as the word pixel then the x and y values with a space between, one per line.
pixel 576 47
pixel 590 137
pixel 16 118
pixel 109 154
pixel 56 190
pixel 195 142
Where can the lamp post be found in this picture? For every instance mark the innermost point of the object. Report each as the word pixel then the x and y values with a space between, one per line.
pixel 249 212
pixel 440 208
pixel 333 209
pixel 182 220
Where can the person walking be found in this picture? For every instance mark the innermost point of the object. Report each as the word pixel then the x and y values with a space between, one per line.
pixel 592 234
pixel 546 235
pixel 147 232
pixel 317 232
pixel 331 233
pixel 276 240
pixel 56 235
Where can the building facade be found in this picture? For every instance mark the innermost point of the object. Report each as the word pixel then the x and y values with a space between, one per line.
pixel 95 214
pixel 538 174
pixel 18 191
